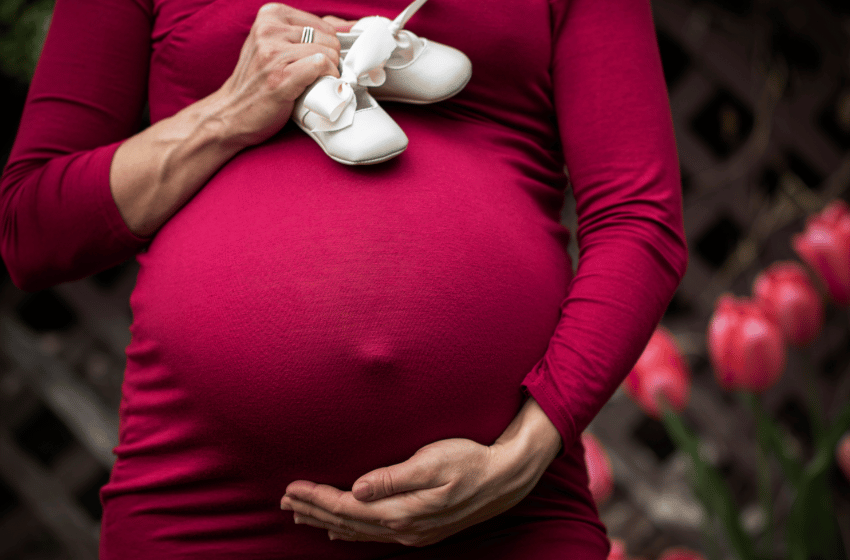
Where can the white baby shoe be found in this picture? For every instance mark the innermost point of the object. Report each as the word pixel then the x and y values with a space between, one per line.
pixel 396 65
pixel 372 135
pixel 418 70
pixel 341 116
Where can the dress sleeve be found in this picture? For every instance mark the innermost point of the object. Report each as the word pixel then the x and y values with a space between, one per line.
pixel 59 219
pixel 617 135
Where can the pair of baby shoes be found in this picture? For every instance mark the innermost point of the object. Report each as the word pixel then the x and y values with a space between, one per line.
pixel 379 61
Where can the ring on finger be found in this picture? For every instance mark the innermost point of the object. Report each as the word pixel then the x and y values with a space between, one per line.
pixel 307 34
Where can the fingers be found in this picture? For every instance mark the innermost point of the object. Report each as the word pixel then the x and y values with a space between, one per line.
pixel 293 16
pixel 352 528
pixel 312 497
pixel 284 23
pixel 298 75
pixel 416 473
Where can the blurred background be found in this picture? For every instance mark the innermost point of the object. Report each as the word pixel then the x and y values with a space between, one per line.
pixel 760 94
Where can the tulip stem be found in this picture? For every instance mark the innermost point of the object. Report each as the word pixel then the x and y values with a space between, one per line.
pixel 774 439
pixel 764 478
pixel 816 408
pixel 710 530
pixel 710 486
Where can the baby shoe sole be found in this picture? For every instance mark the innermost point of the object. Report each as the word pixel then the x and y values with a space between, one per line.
pixel 321 144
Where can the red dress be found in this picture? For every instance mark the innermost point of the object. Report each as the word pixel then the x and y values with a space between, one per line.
pixel 300 319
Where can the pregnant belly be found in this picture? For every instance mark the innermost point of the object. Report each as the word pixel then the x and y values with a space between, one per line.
pixel 309 328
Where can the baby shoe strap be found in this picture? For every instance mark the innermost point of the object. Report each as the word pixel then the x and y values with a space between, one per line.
pixel 405 15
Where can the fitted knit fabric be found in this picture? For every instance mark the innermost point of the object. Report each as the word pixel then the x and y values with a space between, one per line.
pixel 301 319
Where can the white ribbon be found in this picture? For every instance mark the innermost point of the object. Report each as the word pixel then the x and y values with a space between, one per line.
pixel 332 100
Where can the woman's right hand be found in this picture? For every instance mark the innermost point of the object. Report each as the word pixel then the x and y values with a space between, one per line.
pixel 274 68
pixel 156 171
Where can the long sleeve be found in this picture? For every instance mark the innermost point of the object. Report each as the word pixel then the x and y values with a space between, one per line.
pixel 59 220
pixel 617 135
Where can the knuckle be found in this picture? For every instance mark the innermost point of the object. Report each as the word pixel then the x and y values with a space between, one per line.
pixel 266 53
pixel 337 508
pixel 270 8
pixel 265 29
pixel 400 524
pixel 388 484
pixel 319 62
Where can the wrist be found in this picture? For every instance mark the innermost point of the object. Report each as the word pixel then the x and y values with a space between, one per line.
pixel 528 445
pixel 156 171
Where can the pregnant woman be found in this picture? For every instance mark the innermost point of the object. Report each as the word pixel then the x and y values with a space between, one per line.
pixel 301 325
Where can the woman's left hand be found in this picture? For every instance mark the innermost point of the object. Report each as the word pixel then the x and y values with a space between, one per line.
pixel 443 488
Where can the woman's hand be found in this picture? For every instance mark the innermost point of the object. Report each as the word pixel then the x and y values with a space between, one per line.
pixel 443 488
pixel 156 171
pixel 274 68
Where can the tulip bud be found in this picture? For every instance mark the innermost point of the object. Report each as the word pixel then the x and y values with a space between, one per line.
pixel 787 296
pixel 680 553
pixel 599 472
pixel 842 454
pixel 660 371
pixel 745 347
pixel 618 550
pixel 825 247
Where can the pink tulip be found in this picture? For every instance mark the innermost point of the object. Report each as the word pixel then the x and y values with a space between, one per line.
pixel 788 297
pixel 825 246
pixel 680 553
pixel 842 454
pixel 618 550
pixel 598 469
pixel 745 347
pixel 660 371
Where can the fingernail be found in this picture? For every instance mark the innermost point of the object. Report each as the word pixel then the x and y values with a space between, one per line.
pixel 296 518
pixel 331 536
pixel 362 490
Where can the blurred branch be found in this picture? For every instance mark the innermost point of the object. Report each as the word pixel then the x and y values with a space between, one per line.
pixel 794 200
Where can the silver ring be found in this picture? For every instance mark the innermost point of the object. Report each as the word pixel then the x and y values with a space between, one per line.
pixel 307 35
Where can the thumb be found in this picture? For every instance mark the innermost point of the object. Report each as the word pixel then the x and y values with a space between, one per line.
pixel 416 473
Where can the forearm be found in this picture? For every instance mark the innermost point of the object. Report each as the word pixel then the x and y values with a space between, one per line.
pixel 155 172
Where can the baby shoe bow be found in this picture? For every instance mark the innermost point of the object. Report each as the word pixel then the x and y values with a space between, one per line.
pixel 417 70
pixel 334 99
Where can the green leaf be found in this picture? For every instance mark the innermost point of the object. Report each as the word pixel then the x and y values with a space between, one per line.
pixel 812 530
